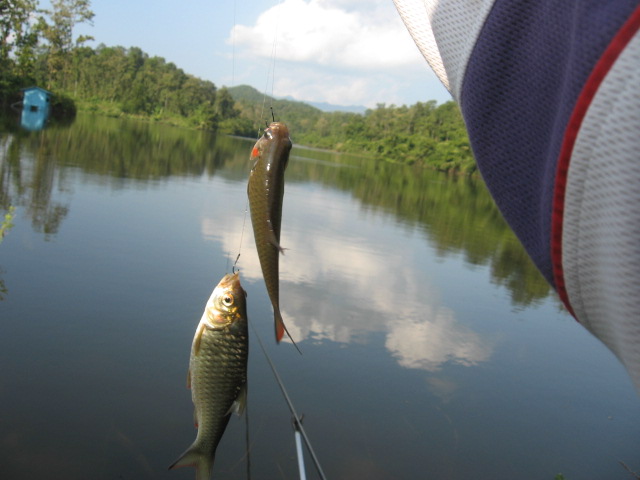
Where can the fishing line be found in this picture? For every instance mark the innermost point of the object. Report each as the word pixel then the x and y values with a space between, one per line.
pixel 297 419
pixel 271 70
pixel 233 81
pixel 244 223
pixel 271 73
pixel 233 46
pixel 247 441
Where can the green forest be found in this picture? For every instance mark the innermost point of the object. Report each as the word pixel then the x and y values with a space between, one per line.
pixel 38 48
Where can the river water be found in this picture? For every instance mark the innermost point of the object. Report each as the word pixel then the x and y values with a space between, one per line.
pixel 432 348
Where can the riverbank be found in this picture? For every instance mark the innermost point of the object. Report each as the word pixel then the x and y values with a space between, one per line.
pixel 114 110
pixel 444 155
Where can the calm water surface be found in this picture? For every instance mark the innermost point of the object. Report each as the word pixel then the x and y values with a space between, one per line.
pixel 431 346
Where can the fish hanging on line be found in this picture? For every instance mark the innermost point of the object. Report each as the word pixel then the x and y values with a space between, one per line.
pixel 217 372
pixel 270 156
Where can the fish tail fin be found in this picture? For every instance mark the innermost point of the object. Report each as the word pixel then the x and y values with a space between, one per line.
pixel 279 325
pixel 281 329
pixel 195 457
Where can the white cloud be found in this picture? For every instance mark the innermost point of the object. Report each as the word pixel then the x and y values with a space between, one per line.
pixel 339 88
pixel 345 52
pixel 337 34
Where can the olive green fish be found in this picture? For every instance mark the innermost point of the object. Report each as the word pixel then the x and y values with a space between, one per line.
pixel 217 372
pixel 270 156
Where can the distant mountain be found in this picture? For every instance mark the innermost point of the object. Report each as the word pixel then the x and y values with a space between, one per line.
pixel 329 107
pixel 246 93
pixel 255 106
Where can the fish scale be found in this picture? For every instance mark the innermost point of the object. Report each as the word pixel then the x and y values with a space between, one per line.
pixel 216 383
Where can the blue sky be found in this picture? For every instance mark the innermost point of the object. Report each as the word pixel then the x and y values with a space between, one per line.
pixel 345 52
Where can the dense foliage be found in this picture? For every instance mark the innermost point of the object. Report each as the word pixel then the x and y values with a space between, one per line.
pixel 18 40
pixel 38 48
pixel 116 80
pixel 425 134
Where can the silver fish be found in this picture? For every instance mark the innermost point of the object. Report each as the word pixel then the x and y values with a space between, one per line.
pixel 217 372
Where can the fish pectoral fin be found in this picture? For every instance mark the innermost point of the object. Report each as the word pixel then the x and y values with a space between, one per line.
pixel 240 403
pixel 198 338
pixel 280 248
pixel 274 241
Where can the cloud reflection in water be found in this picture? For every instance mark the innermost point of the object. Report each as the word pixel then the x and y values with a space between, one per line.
pixel 429 342
pixel 342 279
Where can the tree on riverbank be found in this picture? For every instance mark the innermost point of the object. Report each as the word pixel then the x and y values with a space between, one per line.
pixel 18 40
pixel 122 80
pixel 35 44
pixel 58 32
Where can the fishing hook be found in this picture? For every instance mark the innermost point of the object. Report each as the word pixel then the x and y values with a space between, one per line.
pixel 233 268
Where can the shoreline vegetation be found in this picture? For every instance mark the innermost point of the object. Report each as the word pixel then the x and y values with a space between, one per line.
pixel 38 48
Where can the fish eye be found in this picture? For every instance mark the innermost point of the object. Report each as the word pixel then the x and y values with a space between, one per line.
pixel 227 300
pixel 268 134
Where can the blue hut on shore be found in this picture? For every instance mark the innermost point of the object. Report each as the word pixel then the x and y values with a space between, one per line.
pixel 36 103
